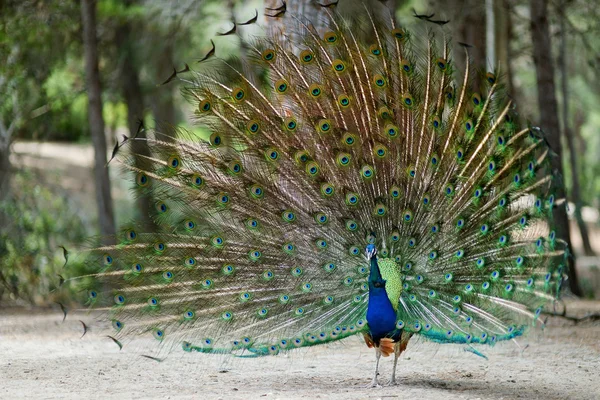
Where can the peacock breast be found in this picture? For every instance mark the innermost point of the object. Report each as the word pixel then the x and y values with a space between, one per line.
pixel 390 272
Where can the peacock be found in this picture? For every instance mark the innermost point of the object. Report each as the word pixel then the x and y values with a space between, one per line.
pixel 356 181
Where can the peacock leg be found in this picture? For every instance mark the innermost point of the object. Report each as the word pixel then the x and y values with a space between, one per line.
pixel 374 383
pixel 397 351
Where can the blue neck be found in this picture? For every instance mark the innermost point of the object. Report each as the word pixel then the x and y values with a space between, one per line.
pixel 381 316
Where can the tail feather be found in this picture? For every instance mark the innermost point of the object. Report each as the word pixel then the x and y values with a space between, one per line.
pixel 261 229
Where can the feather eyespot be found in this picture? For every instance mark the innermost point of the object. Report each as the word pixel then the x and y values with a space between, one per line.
pixel 338 66
pixel 228 269
pixel 288 216
pixel 268 55
pixel 252 127
pixel 405 66
pixel 349 139
pixel 379 81
pixel 290 124
pixel 327 189
pixel 142 179
pixel 288 248
pixel 119 299
pixel 469 126
pixel 167 276
pixel 351 225
pixel 375 50
pixel 254 255
pixel 217 241
pixel 197 181
pixel 367 172
pixel 244 297
pixel 251 223
pixel 159 247
pixel 190 261
pixel 262 312
pixel 441 64
pixel 158 334
pixel 234 167
pixel 107 260
pixel 161 207
pixel 216 140
pixel 238 94
pixel 306 56
pixel 379 210
pixel 384 113
pixel 174 162
pixel 330 37
pixel 315 90
pixel 380 151
pixel 324 126
pixel 189 225
pixel 204 106
pixel 391 131
pixel 399 34
pixel 343 100
pixel 223 199
pixel 321 243
pixel 271 154
pixel 312 168
pixel 426 199
pixel 256 191
pixel 343 159
pixel 268 275
pixel 281 86
pixel 301 156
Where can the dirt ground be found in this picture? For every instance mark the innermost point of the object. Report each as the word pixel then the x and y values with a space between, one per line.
pixel 43 358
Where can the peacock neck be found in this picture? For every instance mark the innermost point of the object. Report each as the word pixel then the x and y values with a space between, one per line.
pixel 381 315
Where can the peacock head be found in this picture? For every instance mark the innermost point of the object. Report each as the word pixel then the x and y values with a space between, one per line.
pixel 371 251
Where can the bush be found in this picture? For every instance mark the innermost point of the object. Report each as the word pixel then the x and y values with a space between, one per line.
pixel 35 221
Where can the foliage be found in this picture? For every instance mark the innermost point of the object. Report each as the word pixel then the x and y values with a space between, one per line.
pixel 38 219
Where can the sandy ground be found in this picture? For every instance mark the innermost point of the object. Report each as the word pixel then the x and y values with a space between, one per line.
pixel 42 357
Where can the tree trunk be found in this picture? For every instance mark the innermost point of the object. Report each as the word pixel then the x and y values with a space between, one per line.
pixel 490 35
pixel 5 168
pixel 568 133
pixel 96 121
pixel 503 41
pixel 134 99
pixel 473 29
pixel 163 106
pixel 544 66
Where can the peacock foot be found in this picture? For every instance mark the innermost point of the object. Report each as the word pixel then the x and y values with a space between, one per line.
pixel 374 383
pixel 392 382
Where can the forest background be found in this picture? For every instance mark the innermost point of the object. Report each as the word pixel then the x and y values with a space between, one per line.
pixel 75 76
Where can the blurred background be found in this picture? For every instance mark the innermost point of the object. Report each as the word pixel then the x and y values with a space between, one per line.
pixel 75 76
